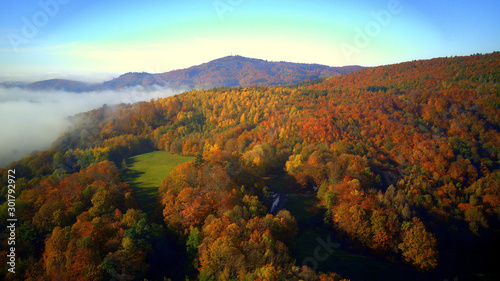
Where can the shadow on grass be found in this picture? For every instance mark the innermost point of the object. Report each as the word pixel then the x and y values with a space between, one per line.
pixel 146 194
pixel 145 173
pixel 316 247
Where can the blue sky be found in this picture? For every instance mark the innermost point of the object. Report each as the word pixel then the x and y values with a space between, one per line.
pixel 98 39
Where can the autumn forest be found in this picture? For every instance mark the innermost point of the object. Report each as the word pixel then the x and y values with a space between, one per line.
pixel 400 163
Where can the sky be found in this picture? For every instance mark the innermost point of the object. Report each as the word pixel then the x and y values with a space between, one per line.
pixel 96 40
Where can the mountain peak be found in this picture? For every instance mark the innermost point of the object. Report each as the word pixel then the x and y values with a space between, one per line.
pixel 227 71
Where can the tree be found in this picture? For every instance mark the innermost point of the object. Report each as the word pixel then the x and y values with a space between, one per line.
pixel 198 160
pixel 419 247
pixel 102 203
pixel 192 244
pixel 476 220
pixel 54 255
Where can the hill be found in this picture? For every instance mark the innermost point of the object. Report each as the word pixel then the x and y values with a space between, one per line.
pixel 401 162
pixel 240 71
pixel 224 72
pixel 61 85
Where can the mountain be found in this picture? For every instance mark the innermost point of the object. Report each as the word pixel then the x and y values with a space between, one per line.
pixel 62 85
pixel 240 71
pixel 224 72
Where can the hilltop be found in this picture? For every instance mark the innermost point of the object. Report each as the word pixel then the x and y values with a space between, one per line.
pixel 228 71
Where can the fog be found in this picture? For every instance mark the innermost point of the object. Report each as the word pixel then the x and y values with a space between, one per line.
pixel 32 120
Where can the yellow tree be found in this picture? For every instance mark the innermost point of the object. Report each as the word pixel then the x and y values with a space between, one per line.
pixel 419 247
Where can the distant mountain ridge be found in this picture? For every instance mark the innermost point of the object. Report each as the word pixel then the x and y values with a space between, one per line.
pixel 224 72
pixel 61 84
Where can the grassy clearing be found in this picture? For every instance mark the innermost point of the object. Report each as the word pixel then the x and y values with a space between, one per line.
pixel 145 174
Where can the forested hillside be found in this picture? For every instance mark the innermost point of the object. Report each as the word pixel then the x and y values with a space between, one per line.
pixel 405 158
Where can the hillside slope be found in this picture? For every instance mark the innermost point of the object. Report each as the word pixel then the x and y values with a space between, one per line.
pixel 405 158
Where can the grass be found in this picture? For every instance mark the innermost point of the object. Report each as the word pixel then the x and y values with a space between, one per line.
pixel 146 172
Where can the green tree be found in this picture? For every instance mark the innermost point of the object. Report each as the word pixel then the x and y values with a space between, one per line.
pixel 192 244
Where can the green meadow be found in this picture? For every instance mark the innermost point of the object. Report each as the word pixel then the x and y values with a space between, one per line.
pixel 146 172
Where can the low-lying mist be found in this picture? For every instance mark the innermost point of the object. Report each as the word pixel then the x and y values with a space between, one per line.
pixel 32 120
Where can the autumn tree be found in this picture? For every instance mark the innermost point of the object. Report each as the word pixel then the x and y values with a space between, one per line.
pixel 418 246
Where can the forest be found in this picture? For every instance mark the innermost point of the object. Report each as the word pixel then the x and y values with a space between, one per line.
pixel 402 161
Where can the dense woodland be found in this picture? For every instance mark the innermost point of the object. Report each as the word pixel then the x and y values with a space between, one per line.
pixel 406 159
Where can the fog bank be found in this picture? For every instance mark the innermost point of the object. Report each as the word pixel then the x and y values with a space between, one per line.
pixel 33 120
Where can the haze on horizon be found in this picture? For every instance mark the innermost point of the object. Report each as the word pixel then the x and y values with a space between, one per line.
pixel 96 40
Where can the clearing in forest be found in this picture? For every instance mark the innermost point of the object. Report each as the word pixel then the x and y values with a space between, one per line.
pixel 145 174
